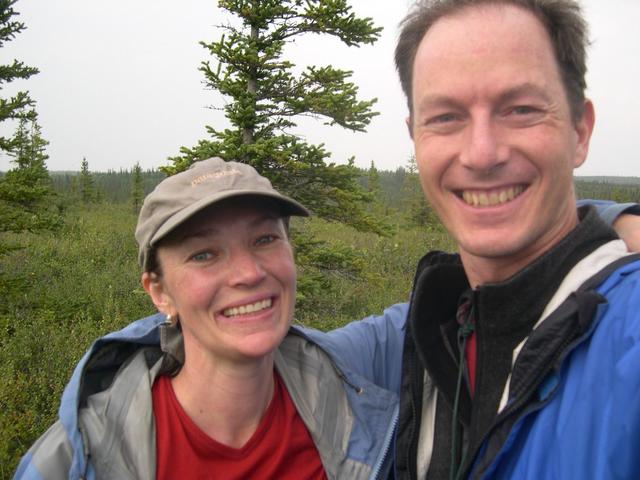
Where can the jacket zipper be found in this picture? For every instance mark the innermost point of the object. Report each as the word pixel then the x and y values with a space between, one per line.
pixel 375 473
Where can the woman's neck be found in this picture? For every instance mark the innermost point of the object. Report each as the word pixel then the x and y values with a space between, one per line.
pixel 226 401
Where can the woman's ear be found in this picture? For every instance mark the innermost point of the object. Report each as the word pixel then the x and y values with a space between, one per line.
pixel 154 286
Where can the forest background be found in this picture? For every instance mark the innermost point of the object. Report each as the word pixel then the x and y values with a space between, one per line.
pixel 68 270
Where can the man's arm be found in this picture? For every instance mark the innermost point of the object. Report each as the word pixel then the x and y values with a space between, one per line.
pixel 627 226
pixel 623 217
pixel 371 347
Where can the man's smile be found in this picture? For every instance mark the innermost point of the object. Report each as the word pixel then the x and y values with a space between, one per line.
pixel 490 198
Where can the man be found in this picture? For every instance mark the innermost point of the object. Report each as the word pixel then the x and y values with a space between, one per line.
pixel 521 352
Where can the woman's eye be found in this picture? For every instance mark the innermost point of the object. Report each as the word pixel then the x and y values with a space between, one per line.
pixel 266 239
pixel 201 256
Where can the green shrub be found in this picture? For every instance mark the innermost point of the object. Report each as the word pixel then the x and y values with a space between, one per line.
pixel 386 269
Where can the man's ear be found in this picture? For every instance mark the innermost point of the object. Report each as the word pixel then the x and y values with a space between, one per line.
pixel 154 286
pixel 584 129
pixel 409 122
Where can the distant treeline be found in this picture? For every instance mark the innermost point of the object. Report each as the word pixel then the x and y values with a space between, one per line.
pixel 610 179
pixel 111 186
pixel 115 187
pixel 599 188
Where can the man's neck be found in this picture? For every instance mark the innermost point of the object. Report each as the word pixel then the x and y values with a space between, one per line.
pixel 481 270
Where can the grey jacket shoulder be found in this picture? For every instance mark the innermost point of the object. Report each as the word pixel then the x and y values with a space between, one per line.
pixel 50 457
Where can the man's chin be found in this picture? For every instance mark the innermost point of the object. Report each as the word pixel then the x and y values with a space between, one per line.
pixel 493 259
pixel 498 245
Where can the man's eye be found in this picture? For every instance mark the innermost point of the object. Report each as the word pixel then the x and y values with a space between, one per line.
pixel 444 118
pixel 523 110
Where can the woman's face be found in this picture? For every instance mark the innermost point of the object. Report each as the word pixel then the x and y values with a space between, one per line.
pixel 229 274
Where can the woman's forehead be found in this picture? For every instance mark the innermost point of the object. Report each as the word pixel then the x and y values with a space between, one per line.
pixel 218 218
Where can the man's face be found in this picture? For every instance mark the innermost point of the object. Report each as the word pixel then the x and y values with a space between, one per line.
pixel 494 139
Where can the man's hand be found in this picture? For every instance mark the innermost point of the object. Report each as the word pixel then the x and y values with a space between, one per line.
pixel 627 227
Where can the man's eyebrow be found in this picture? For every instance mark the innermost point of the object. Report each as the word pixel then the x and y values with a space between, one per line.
pixel 530 89
pixel 436 101
pixel 444 101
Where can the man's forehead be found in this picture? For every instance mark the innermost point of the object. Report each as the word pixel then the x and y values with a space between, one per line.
pixel 480 41
pixel 494 23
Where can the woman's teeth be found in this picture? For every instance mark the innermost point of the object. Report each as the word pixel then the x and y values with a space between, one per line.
pixel 249 308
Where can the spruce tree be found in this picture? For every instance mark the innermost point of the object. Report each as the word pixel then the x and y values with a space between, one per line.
pixel 87 189
pixel 417 209
pixel 265 97
pixel 377 206
pixel 15 106
pixel 26 194
pixel 373 180
pixel 137 190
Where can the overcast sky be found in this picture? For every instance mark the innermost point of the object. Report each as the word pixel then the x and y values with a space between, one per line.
pixel 119 82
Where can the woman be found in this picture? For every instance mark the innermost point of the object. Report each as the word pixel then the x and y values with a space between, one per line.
pixel 225 387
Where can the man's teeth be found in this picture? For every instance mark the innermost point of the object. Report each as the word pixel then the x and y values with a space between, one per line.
pixel 249 308
pixel 495 197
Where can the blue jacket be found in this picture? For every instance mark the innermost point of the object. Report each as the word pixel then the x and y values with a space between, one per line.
pixel 585 419
pixel 344 385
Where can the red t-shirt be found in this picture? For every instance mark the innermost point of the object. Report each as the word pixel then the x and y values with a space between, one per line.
pixel 280 448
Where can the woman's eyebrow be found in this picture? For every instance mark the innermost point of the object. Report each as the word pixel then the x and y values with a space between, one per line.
pixel 198 233
pixel 211 231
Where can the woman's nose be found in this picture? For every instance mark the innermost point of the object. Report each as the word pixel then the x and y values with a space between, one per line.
pixel 245 268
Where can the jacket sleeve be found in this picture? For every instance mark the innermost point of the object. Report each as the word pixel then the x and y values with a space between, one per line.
pixel 622 382
pixel 372 347
pixel 609 211
pixel 48 458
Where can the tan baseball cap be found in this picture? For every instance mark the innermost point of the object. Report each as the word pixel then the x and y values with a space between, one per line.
pixel 179 197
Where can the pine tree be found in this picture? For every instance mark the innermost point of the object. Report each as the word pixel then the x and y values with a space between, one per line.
pixel 266 97
pixel 87 190
pixel 137 190
pixel 15 106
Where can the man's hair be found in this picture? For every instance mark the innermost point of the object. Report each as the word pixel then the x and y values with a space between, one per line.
pixel 562 19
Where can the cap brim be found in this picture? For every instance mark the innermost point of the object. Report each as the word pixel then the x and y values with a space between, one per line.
pixel 289 206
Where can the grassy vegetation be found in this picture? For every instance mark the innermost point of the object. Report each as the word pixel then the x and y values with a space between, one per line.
pixel 61 291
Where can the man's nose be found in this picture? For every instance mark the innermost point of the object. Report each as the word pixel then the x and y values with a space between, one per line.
pixel 483 147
